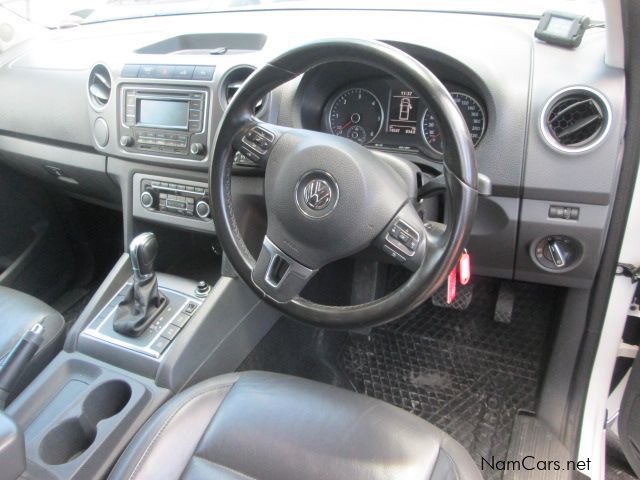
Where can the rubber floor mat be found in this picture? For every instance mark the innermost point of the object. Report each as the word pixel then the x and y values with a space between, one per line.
pixel 459 369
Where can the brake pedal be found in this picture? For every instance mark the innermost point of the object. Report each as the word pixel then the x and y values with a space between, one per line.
pixel 464 295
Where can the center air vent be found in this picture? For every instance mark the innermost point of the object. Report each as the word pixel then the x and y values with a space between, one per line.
pixel 232 83
pixel 99 86
pixel 576 119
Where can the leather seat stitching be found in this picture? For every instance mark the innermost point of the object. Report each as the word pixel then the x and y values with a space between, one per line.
pixel 159 433
pixel 227 468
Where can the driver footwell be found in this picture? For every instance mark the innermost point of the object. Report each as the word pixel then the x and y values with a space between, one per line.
pixel 457 369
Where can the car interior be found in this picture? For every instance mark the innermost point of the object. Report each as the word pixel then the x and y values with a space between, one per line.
pixel 285 242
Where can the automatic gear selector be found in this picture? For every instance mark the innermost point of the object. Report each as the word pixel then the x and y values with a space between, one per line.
pixel 143 302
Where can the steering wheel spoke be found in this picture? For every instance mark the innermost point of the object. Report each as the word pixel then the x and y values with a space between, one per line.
pixel 408 241
pixel 278 275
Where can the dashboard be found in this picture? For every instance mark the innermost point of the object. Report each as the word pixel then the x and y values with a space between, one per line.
pixel 385 114
pixel 125 114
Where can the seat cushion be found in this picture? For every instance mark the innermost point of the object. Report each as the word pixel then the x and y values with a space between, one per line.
pixel 275 427
pixel 18 313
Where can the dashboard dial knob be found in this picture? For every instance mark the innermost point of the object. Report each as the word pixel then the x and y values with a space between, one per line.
pixel 147 199
pixel 196 149
pixel 126 141
pixel 202 209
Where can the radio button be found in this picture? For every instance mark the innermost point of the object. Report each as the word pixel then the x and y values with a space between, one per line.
pixel 146 199
pixel 147 71
pixel 126 141
pixel 183 72
pixel 197 149
pixel 202 209
pixel 202 72
pixel 130 71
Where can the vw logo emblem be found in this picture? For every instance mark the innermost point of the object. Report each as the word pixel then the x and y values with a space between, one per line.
pixel 317 194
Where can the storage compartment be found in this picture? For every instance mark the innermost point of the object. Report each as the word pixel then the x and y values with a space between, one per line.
pixel 207 44
pixel 74 435
pixel 79 414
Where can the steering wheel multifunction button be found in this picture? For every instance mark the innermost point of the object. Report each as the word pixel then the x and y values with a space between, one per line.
pixel 316 194
pixel 403 238
pixel 256 143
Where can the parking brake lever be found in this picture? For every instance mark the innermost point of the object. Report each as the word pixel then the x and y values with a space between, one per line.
pixel 17 360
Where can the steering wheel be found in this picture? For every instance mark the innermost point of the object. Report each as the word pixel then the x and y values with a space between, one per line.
pixel 328 197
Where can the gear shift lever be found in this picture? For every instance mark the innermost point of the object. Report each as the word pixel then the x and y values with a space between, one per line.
pixel 143 301
pixel 143 251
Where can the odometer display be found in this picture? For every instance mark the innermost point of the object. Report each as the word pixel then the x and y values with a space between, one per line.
pixel 356 114
pixel 473 116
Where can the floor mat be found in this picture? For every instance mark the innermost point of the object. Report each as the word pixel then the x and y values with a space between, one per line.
pixel 459 370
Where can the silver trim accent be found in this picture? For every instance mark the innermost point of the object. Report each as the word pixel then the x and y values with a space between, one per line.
pixel 312 194
pixel 37 328
pixel 548 137
pixel 94 331
pixel 305 176
pixel 135 244
pixel 95 107
pixel 206 215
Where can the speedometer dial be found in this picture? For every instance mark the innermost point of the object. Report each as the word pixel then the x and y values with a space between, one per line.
pixel 356 114
pixel 471 111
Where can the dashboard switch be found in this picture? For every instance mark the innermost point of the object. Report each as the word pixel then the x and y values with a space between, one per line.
pixel 564 212
pixel 557 253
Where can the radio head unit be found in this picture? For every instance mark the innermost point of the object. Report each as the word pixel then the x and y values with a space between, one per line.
pixel 163 120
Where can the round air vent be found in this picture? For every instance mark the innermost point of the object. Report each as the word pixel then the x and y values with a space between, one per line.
pixel 232 83
pixel 99 86
pixel 576 119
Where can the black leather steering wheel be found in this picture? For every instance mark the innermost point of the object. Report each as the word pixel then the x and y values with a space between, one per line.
pixel 328 197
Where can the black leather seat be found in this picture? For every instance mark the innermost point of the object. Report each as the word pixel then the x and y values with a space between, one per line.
pixel 258 425
pixel 18 313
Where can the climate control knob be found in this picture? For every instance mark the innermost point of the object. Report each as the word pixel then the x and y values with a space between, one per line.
pixel 196 149
pixel 202 209
pixel 147 199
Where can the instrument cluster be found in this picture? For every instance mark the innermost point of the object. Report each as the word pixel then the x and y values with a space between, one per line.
pixel 385 114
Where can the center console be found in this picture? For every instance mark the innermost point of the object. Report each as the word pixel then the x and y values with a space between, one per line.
pixel 75 419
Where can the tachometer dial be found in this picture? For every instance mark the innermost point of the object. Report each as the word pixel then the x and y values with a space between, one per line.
pixel 471 111
pixel 356 113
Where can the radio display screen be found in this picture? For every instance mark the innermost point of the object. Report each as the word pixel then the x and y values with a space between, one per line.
pixel 163 113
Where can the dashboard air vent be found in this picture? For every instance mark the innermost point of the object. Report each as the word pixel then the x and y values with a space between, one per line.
pixel 99 86
pixel 576 119
pixel 232 83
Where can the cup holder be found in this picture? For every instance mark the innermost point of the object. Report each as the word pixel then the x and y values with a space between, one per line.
pixel 73 436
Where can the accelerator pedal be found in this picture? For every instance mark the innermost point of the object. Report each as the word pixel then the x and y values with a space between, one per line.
pixel 504 303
